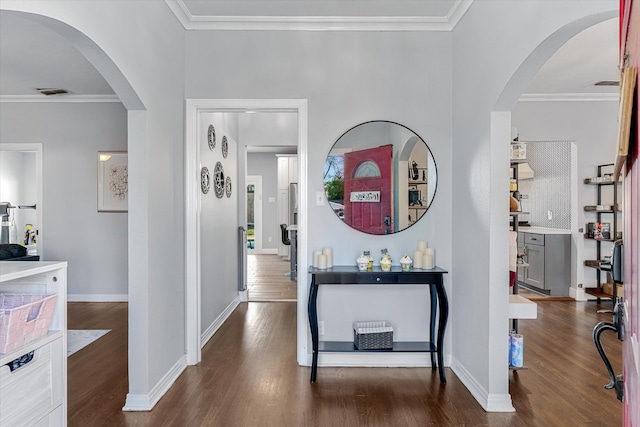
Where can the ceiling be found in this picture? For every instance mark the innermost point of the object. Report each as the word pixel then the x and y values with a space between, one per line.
pixel 32 56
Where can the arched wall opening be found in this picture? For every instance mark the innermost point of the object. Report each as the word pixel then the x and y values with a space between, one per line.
pixel 137 206
pixel 500 138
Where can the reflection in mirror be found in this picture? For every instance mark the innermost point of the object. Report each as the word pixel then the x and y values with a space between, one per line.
pixel 21 195
pixel 380 177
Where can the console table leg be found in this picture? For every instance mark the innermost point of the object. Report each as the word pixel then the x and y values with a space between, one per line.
pixel 442 325
pixel 432 324
pixel 313 324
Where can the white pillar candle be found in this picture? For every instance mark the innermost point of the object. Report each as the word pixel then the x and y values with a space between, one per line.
pixel 316 254
pixel 427 261
pixel 432 252
pixel 417 259
pixel 322 262
pixel 422 245
pixel 328 252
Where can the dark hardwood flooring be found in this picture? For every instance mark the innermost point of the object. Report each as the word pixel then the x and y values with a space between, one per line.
pixel 249 377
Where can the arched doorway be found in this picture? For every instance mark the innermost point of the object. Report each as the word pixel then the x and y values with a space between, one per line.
pixel 137 137
pixel 501 111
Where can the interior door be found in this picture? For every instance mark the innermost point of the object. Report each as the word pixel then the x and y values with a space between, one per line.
pixel 368 189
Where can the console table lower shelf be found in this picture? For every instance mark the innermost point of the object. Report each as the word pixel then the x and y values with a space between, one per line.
pixel 350 275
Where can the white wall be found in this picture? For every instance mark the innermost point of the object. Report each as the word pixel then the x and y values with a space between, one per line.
pixel 272 129
pixel 491 68
pixel 144 64
pixel 402 77
pixel 593 127
pixel 94 243
pixel 266 165
pixel 441 85
pixel 218 221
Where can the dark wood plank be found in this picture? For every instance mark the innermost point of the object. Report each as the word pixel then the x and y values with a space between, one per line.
pixel 249 377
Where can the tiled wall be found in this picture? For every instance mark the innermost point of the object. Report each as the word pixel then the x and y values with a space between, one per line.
pixel 550 189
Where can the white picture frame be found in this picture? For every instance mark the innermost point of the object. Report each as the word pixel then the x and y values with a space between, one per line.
pixel 113 181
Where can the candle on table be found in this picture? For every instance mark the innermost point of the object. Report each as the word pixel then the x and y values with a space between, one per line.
pixel 417 259
pixel 432 252
pixel 316 254
pixel 328 252
pixel 427 261
pixel 422 245
pixel 322 262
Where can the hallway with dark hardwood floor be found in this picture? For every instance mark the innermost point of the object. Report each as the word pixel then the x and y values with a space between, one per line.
pixel 249 377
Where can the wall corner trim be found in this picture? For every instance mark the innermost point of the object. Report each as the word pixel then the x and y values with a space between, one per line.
pixel 211 330
pixel 490 402
pixel 146 402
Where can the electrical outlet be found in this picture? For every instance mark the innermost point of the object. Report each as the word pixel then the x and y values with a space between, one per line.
pixel 524 196
pixel 319 198
pixel 321 327
pixel 269 239
pixel 579 285
pixel 549 215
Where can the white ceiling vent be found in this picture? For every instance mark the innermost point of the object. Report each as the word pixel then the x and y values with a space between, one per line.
pixel 607 83
pixel 48 91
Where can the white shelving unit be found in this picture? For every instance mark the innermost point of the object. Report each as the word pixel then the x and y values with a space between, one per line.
pixel 36 393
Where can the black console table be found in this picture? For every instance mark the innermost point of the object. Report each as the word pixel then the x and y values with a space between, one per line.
pixel 350 275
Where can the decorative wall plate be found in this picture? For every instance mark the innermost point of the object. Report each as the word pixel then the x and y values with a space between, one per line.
pixel 228 186
pixel 205 180
pixel 218 180
pixel 225 147
pixel 211 137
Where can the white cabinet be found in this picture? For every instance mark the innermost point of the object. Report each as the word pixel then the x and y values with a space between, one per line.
pixel 35 394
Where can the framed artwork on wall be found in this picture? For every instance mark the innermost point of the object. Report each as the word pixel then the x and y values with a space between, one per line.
pixel 113 181
pixel 627 90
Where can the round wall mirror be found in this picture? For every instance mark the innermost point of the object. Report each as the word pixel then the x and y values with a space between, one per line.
pixel 380 177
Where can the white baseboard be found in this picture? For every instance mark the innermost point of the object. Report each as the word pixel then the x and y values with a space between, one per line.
pixel 577 294
pixel 376 360
pixel 263 252
pixel 489 402
pixel 208 333
pixel 97 298
pixel 146 402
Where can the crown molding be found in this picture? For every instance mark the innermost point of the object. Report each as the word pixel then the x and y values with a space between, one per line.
pixel 568 97
pixel 319 23
pixel 59 98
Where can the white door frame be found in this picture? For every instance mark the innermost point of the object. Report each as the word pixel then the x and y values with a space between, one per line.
pixel 192 212
pixel 256 180
pixel 36 147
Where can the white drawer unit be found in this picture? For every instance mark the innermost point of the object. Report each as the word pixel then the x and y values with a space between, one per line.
pixel 35 392
pixel 31 392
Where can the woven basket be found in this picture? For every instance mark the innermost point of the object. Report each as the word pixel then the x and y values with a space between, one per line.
pixel 376 335
pixel 24 318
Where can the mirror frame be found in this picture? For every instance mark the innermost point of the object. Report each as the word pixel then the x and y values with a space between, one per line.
pixel 401 155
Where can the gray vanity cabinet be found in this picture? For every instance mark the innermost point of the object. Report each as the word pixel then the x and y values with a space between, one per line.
pixel 549 259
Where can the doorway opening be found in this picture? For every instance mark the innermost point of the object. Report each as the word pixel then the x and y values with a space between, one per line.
pixel 195 109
